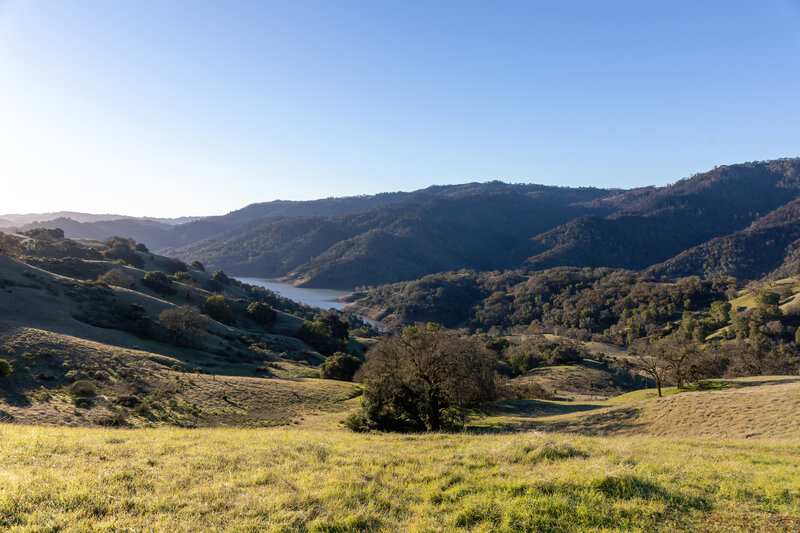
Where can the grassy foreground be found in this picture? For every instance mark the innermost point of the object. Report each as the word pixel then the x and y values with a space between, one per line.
pixel 280 479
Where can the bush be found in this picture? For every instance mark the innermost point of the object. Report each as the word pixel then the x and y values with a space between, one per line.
pixel 197 265
pixel 5 368
pixel 182 323
pixel 83 389
pixel 261 313
pixel 159 282
pixel 341 366
pixel 142 248
pixel 220 277
pixel 217 308
pixel 116 278
pixel 172 265
pixel 212 285
pixel 183 277
pixel 136 320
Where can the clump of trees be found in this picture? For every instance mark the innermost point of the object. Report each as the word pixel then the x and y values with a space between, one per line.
pixel 676 359
pixel 527 355
pixel 328 334
pixel 44 234
pixel 341 366
pixel 217 282
pixel 123 249
pixel 425 379
pixel 261 313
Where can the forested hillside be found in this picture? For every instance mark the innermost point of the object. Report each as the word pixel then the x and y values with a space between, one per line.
pixel 739 220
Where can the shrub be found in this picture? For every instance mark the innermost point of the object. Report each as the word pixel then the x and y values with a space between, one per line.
pixel 183 277
pixel 341 366
pixel 523 359
pixel 136 320
pixel 221 277
pixel 212 285
pixel 182 323
pixel 159 282
pixel 5 368
pixel 217 308
pixel 261 313
pixel 116 278
pixel 198 266
pixel 142 248
pixel 172 265
pixel 83 389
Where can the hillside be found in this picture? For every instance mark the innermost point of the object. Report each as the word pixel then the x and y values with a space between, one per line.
pixel 484 227
pixel 770 243
pixel 735 220
pixel 757 407
pixel 91 341
pixel 651 225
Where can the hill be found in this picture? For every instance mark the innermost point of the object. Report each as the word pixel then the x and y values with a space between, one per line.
pixel 649 226
pixel 735 220
pixel 757 407
pixel 484 226
pixel 97 340
pixel 10 220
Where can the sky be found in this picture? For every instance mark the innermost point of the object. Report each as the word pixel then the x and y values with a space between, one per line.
pixel 171 108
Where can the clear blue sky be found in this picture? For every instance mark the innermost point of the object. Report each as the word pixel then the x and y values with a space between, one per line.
pixel 182 108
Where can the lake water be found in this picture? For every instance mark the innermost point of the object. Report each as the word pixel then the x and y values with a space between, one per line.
pixel 324 298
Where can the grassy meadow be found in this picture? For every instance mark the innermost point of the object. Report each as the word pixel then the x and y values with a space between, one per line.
pixel 323 479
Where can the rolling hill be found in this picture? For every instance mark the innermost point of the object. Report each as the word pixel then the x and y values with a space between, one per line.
pixel 88 349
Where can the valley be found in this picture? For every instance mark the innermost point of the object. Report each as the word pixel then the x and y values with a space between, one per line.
pixel 622 389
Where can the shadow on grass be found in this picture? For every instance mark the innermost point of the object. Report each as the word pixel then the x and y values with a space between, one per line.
pixel 526 414
pixel 629 486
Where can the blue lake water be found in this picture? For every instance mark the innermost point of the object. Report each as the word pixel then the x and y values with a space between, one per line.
pixel 324 298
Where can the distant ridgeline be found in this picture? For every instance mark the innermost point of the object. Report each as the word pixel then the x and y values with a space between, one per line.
pixel 738 220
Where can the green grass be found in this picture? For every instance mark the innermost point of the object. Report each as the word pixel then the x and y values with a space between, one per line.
pixel 648 394
pixel 65 479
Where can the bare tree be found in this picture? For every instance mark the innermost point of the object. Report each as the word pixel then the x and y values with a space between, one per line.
pixel 652 361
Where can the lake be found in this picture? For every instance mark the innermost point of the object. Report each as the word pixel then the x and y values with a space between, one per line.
pixel 324 298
